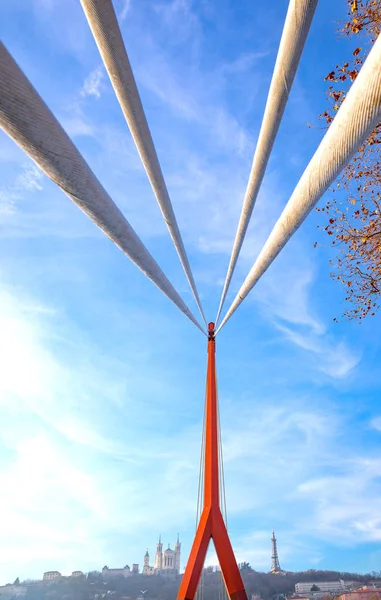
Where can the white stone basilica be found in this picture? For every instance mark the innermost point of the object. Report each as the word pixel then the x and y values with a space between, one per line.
pixel 167 563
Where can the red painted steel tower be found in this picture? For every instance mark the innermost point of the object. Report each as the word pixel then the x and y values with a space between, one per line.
pixel 211 523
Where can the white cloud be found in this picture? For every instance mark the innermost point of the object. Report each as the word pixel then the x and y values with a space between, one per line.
pixel 77 126
pixel 46 496
pixel 376 423
pixel 278 445
pixel 279 452
pixel 180 18
pixel 293 307
pixel 220 126
pixel 31 178
pixel 52 492
pixel 189 93
pixel 93 83
pixel 242 64
pixel 334 358
pixel 347 507
pixel 47 492
pixel 28 180
pixel 125 9
pixel 24 346
pixel 158 78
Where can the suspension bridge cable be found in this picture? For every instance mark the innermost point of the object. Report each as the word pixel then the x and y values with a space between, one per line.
pixel 295 32
pixel 356 118
pixel 28 121
pixel 222 591
pixel 223 489
pixel 221 464
pixel 105 28
pixel 201 471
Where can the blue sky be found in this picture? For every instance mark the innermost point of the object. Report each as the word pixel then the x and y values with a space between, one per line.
pixel 102 382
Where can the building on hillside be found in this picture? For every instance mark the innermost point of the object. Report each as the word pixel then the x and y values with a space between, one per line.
pixel 372 585
pixel 324 586
pixel 362 594
pixel 135 569
pixel 125 572
pixel 147 569
pixel 275 566
pixel 77 574
pixel 167 563
pixel 51 576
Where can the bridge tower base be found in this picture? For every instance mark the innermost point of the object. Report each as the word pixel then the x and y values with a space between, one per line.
pixel 211 525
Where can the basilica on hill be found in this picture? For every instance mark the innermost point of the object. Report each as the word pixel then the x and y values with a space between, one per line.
pixel 167 563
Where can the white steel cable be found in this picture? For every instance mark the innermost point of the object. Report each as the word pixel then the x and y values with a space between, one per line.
pixel 105 28
pixel 295 32
pixel 28 121
pixel 356 118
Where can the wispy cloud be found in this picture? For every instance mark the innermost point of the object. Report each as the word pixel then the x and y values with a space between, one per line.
pixel 291 313
pixel 77 126
pixel 242 64
pixel 347 505
pixel 26 337
pixel 28 180
pixel 125 9
pixel 93 83
pixel 376 423
pixel 334 358
pixel 180 18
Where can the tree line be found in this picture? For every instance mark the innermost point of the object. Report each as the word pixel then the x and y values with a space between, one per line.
pixel 266 585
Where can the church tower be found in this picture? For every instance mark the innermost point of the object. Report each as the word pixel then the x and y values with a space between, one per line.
pixel 275 566
pixel 146 559
pixel 159 555
pixel 177 554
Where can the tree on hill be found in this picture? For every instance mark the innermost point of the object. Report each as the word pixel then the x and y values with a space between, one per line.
pixel 94 576
pixel 315 588
pixel 353 216
pixel 208 570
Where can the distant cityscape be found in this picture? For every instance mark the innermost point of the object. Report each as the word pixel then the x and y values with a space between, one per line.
pixel 167 566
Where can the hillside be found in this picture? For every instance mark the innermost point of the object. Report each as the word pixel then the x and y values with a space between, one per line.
pixel 93 587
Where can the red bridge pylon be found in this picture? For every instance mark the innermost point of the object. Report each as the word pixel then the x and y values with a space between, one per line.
pixel 211 523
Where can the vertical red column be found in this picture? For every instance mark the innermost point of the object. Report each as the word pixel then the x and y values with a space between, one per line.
pixel 211 523
pixel 211 480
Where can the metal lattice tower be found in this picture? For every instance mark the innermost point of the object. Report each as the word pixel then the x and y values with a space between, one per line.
pixel 275 566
